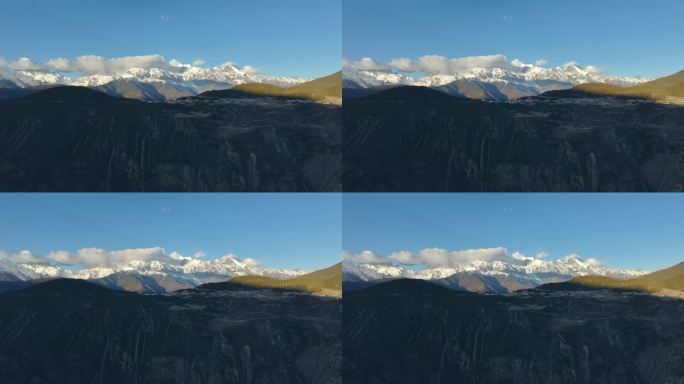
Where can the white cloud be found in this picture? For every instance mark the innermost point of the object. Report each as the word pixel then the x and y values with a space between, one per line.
pixel 439 257
pixel 589 261
pixel 432 257
pixel 165 17
pixel 365 257
pixel 22 257
pixel 441 65
pixel 251 70
pixel 541 62
pixel 593 262
pixel 251 262
pixel 93 64
pixel 588 68
pixel 101 257
pixel 26 64
pixel 367 64
pixel 198 62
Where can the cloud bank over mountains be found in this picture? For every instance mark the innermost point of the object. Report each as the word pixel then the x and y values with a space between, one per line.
pixel 93 70
pixel 436 70
pixel 438 257
pixel 432 65
pixel 97 257
pixel 99 65
pixel 95 263
pixel 439 263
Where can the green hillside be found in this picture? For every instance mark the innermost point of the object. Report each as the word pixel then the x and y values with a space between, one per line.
pixel 328 86
pixel 325 281
pixel 324 88
pixel 665 279
pixel 665 87
pixel 600 88
pixel 260 89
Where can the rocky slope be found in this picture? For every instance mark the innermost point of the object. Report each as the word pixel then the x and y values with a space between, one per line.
pixel 73 331
pixel 408 331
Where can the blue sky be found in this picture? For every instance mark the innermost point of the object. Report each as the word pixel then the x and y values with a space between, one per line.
pixel 298 37
pixel 620 230
pixel 622 37
pixel 279 230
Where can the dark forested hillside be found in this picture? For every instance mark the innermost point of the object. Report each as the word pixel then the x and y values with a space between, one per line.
pixel 77 139
pixel 408 331
pixel 418 139
pixel 72 331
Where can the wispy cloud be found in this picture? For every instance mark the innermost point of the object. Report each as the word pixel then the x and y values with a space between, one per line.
pixel 165 17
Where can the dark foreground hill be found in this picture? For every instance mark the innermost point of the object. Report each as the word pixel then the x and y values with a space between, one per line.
pixel 70 331
pixel 78 139
pixel 417 139
pixel 407 331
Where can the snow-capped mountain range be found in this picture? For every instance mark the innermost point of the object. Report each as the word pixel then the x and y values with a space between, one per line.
pixel 183 76
pixel 190 270
pixel 531 271
pixel 527 79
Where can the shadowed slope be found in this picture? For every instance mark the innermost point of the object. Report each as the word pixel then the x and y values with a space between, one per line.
pixel 69 287
pixel 71 94
pixel 412 287
pixel 70 331
pixel 78 139
pixel 408 331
